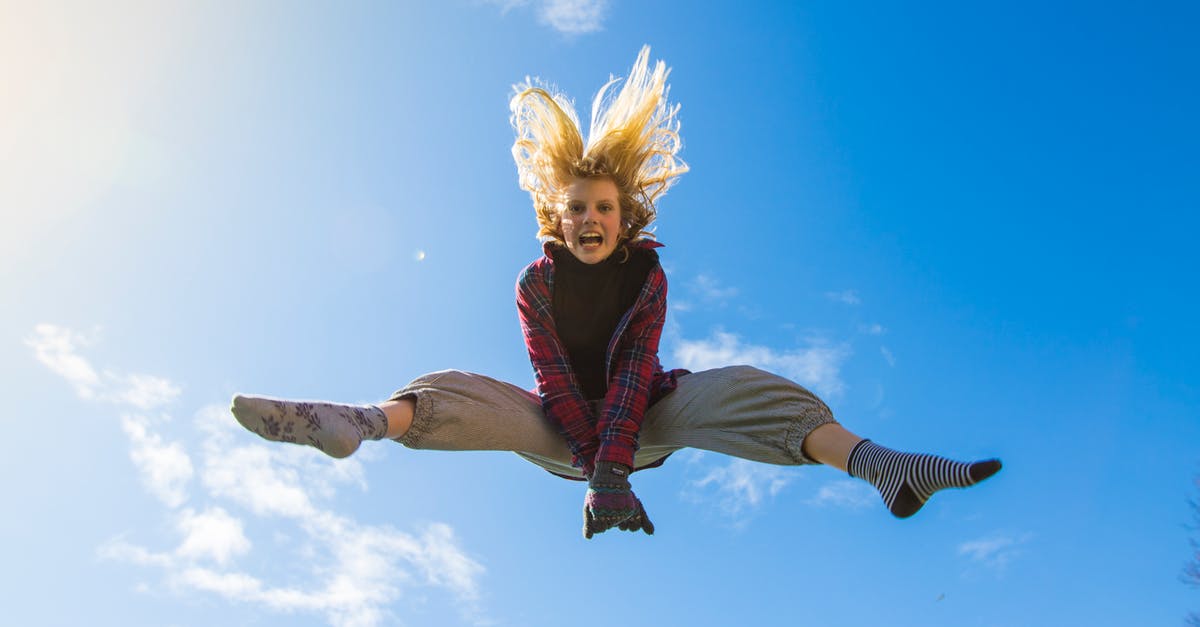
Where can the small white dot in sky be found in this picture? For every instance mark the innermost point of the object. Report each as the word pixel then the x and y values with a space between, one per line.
pixel 419 256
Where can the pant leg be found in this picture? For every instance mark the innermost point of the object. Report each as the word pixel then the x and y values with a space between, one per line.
pixel 738 410
pixel 462 411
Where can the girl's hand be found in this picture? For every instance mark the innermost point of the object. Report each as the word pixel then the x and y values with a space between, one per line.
pixel 639 521
pixel 610 500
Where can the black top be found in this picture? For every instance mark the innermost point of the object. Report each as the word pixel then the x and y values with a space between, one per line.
pixel 589 300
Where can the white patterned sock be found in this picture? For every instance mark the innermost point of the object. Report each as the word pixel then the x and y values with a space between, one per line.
pixel 333 428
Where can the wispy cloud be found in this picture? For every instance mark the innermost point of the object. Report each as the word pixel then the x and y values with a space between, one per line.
pixel 844 493
pixel 570 17
pixel 817 366
pixel 711 289
pixel 574 17
pixel 887 355
pixel 57 349
pixel 165 468
pixel 872 329
pixel 212 534
pixel 996 551
pixel 352 573
pixel 505 5
pixel 849 297
pixel 737 488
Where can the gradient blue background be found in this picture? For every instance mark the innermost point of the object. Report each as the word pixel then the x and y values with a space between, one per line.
pixel 976 224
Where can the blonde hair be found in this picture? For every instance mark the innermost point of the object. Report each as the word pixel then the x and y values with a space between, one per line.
pixel 633 141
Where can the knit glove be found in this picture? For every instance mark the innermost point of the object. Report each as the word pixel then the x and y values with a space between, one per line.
pixel 639 521
pixel 610 500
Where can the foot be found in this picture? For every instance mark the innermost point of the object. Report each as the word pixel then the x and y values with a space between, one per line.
pixel 907 480
pixel 335 429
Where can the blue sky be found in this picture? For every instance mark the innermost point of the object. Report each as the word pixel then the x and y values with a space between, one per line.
pixel 969 228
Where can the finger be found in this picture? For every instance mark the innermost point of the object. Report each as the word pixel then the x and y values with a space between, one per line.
pixel 647 526
pixel 587 524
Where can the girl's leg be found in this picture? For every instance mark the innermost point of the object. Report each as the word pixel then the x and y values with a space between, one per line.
pixel 907 480
pixel 904 480
pixel 755 415
pixel 453 410
pixel 333 428
pixel 740 411
pixel 399 417
pixel 449 410
pixel 830 444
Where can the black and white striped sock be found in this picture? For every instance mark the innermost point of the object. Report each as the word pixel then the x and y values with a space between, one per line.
pixel 907 480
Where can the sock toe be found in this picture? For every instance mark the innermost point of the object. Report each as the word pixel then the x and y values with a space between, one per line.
pixel 982 470
pixel 240 408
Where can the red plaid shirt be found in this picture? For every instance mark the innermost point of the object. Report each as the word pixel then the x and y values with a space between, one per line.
pixel 635 378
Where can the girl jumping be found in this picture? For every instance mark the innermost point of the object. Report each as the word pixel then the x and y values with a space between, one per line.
pixel 592 308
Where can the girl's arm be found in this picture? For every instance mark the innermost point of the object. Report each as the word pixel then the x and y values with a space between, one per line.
pixel 636 362
pixel 562 400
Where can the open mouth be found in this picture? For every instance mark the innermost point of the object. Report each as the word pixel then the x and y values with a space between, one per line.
pixel 591 239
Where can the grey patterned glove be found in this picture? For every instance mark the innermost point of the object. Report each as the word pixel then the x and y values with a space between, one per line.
pixel 639 521
pixel 610 502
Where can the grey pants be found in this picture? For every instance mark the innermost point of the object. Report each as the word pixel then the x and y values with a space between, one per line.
pixel 738 410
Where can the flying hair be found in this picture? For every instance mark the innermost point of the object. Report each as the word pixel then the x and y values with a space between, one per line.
pixel 633 139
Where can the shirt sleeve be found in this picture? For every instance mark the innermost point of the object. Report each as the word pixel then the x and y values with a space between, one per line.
pixel 562 400
pixel 636 361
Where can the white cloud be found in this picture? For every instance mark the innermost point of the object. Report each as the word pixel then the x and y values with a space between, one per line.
pixel 711 289
pixel 506 5
pixel 738 487
pixel 573 17
pixel 356 571
pixel 849 297
pixel 445 564
pixel 118 549
pixel 254 477
pixel 165 468
pixel 817 366
pixel 367 573
pixel 996 551
pixel 57 349
pixel 570 17
pixel 212 534
pixel 844 493
pixel 872 329
pixel 141 390
pixel 352 573
pixel 887 355
pixel 236 586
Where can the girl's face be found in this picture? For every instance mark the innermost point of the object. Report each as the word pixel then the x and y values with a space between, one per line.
pixel 591 219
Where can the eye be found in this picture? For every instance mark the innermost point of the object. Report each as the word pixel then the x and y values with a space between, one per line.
pixel 605 208
pixel 575 208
